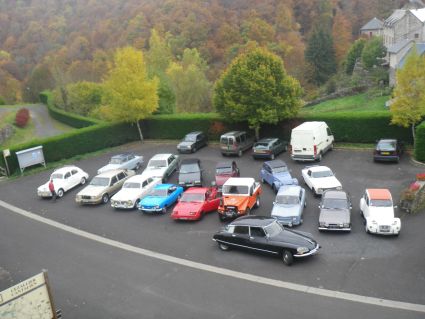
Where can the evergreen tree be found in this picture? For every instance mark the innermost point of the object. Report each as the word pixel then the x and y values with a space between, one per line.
pixel 353 54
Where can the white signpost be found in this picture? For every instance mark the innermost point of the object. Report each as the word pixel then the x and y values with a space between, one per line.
pixel 30 298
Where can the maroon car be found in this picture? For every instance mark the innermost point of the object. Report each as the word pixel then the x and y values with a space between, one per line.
pixel 225 170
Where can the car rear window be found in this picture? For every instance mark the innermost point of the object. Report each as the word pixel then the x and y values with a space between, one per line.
pixel 190 138
pixel 226 141
pixel 261 145
pixel 387 145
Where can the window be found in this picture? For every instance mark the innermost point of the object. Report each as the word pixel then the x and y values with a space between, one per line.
pixel 130 157
pixel 329 131
pixel 170 160
pixel 121 176
pixel 416 35
pixel 67 175
pixel 257 232
pixel 241 230
pixel 145 183
pixel 74 171
pixel 238 140
pixel 113 180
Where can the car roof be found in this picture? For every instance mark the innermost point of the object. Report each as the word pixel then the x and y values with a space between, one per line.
pixel 138 178
pixel 276 163
pixel 387 140
pixel 195 133
pixel 164 186
pixel 289 190
pixel 337 194
pixel 267 140
pixel 161 156
pixel 317 168
pixel 232 133
pixel 111 173
pixel 379 193
pixel 65 169
pixel 225 164
pixel 189 161
pixel 253 220
pixel 123 155
pixel 196 190
pixel 240 181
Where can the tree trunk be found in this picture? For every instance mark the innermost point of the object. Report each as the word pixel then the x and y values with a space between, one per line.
pixel 413 133
pixel 140 131
pixel 64 95
pixel 257 132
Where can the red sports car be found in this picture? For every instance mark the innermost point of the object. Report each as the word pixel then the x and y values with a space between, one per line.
pixel 195 202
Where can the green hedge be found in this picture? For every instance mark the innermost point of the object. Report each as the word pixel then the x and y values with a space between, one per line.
pixel 71 119
pixel 420 142
pixel 78 142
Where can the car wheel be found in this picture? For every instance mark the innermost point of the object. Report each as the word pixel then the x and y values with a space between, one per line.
pixel 59 192
pixel 137 167
pixel 194 149
pixel 257 202
pixel 287 257
pixel 223 247
pixel 164 210
pixel 248 212
pixel 305 203
pixel 272 157
pixel 221 217
pixel 319 158
pixel 314 192
pixel 361 213
pixel 201 215
pixel 274 188
pixel 136 203
pixel 105 198
pixel 83 180
pixel 240 153
pixel 366 229
pixel 263 180
pixel 331 148
pixel 285 148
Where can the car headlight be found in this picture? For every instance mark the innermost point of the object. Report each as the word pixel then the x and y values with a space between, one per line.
pixel 130 203
pixel 322 224
pixel 341 225
pixel 157 206
pixel 192 213
pixel 374 222
pixel 339 188
pixel 302 250
pixel 197 182
pixel 346 225
pixel 320 190
pixel 394 222
pixel 294 219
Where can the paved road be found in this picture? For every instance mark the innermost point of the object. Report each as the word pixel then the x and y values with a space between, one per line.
pixel 391 268
pixel 93 280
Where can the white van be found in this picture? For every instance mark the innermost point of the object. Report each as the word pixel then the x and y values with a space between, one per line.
pixel 310 140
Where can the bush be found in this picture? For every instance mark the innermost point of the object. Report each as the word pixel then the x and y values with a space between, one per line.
pixel 2 101
pixel 420 142
pixel 420 177
pixel 22 117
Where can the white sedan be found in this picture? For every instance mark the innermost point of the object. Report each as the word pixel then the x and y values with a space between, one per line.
pixel 133 190
pixel 377 209
pixel 64 179
pixel 320 178
pixel 122 161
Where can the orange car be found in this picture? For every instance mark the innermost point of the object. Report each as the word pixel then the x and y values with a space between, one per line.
pixel 240 195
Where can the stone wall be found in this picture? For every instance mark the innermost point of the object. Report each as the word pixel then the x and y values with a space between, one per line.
pixel 5 133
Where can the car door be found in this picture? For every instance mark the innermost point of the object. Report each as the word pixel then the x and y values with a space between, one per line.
pixel 240 236
pixel 308 178
pixel 235 170
pixel 75 178
pixel 120 179
pixel 131 162
pixel 280 146
pixel 258 239
pixel 67 181
pixel 364 205
pixel 268 175
pixel 302 201
pixel 148 185
pixel 211 200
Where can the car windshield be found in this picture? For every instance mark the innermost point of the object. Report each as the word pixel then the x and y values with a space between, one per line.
pixel 131 185
pixel 223 170
pixel 190 138
pixel 273 229
pixel 56 176
pixel 189 168
pixel 116 160
pixel 157 163
pixel 235 189
pixel 280 169
pixel 334 203
pixel 159 192
pixel 99 181
pixel 381 202
pixel 261 145
pixel 192 198
pixel 387 145
pixel 287 200
pixel 320 174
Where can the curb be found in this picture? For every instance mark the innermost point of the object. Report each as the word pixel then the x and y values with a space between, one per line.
pixel 415 162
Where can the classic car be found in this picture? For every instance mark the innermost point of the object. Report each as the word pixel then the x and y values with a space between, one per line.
pixel 122 161
pixel 192 142
pixel 276 173
pixel 103 186
pixel 190 172
pixel 319 179
pixel 195 203
pixel 289 205
pixel 266 235
pixel 161 166
pixel 269 148
pixel 225 170
pixel 335 211
pixel 64 179
pixel 388 150
pixel 133 190
pixel 377 209
pixel 240 195
pixel 160 198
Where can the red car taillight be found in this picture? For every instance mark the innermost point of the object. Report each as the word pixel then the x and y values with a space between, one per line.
pixel 315 150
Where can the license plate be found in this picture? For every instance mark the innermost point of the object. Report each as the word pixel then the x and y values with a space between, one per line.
pixel 385 153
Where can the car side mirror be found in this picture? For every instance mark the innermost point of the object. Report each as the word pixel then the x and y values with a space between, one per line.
pixel 320 206
pixel 395 206
pixel 274 203
pixel 213 183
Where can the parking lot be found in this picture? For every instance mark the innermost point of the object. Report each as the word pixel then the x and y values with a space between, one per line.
pixel 383 267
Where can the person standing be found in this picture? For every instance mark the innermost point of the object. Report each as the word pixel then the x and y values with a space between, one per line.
pixel 52 190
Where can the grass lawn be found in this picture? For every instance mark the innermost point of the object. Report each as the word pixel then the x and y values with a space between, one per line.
pixel 360 102
pixel 20 135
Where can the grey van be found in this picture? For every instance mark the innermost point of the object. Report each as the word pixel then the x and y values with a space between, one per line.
pixel 235 143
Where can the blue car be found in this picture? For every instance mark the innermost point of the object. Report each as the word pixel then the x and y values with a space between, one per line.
pixel 276 174
pixel 160 198
pixel 289 205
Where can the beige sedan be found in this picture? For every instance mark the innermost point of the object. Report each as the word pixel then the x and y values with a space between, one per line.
pixel 103 186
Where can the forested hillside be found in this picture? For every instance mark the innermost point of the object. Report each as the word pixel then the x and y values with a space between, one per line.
pixel 46 43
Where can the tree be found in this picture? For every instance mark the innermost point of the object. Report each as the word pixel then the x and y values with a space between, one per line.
pixel 341 33
pixel 354 53
pixel 129 95
pixel 408 107
pixel 320 55
pixel 257 89
pixel 373 52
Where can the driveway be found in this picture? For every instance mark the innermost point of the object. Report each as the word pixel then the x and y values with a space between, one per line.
pixel 382 267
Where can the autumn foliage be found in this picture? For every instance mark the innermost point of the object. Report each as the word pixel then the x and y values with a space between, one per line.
pixel 22 117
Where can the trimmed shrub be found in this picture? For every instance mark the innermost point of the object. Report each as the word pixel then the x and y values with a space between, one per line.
pixel 420 142
pixel 2 101
pixel 22 117
pixel 71 119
